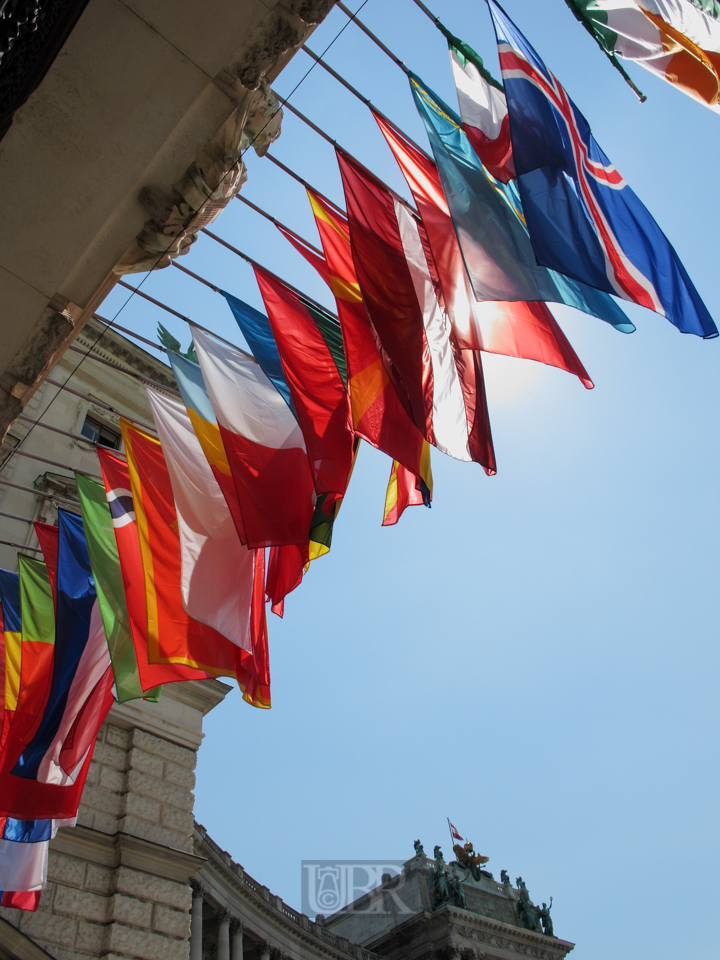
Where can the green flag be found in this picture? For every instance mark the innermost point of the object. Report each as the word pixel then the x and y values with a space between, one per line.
pixel 37 633
pixel 105 563
pixel 36 601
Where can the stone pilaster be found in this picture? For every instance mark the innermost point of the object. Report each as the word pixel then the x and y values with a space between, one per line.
pixel 118 882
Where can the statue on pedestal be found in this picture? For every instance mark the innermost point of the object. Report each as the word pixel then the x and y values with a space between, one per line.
pixel 527 912
pixel 547 919
pixel 419 852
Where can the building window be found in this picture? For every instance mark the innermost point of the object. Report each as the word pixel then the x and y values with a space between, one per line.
pixel 99 433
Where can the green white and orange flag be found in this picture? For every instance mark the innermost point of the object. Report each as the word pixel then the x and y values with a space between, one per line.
pixel 679 40
pixel 376 413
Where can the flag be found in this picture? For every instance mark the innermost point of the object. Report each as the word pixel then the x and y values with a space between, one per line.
pixel 310 345
pixel 44 778
pixel 23 865
pixel 105 563
pixel 172 635
pixel 483 109
pixel 197 403
pixel 264 445
pixel 584 220
pixel 116 477
pixel 257 330
pixel 216 569
pixel 513 328
pixel 47 535
pixel 404 489
pixel 20 901
pixel 307 251
pixel 376 412
pixel 10 601
pixel 37 645
pixel 678 40
pixel 454 832
pixel 408 480
pixel 490 224
pixel 440 385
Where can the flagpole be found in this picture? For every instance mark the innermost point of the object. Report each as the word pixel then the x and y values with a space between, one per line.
pixel 451 835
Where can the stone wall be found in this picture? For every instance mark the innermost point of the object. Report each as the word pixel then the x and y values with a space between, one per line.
pixel 118 882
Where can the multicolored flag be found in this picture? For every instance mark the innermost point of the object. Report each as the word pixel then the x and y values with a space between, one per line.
pixel 490 224
pixel 440 385
pixel 172 635
pixel 264 445
pixel 583 218
pixel 12 627
pixel 404 489
pixel 37 645
pixel 107 573
pixel 202 416
pixel 678 40
pixel 217 571
pixel 258 332
pixel 376 413
pixel 44 778
pixel 527 330
pixel 116 477
pixel 483 109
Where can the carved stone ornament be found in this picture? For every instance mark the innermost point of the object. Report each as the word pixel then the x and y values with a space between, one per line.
pixel 211 182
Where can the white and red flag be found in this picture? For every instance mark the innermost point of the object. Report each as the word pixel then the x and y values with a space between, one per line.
pixel 454 832
pixel 484 111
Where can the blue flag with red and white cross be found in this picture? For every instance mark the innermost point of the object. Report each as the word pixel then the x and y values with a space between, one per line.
pixel 583 218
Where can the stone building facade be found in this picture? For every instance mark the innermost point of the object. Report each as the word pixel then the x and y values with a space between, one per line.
pixel 100 389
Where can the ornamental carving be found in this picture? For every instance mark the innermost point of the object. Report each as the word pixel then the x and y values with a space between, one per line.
pixel 211 182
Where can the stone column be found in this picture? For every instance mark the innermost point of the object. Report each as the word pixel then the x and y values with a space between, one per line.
pixel 196 923
pixel 265 951
pixel 223 947
pixel 236 941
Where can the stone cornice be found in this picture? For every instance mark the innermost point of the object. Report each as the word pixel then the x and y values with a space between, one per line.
pixel 111 345
pixel 113 850
pixel 203 695
pixel 165 719
pixel 473 926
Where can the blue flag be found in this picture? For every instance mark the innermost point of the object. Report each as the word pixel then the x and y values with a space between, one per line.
pixel 256 329
pixel 75 599
pixel 583 218
pixel 490 225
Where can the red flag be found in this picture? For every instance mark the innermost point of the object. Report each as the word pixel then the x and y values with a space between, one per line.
pixel 21 901
pixel 376 413
pixel 117 487
pixel 309 342
pixel 308 252
pixel 454 832
pixel 440 385
pixel 513 329
pixel 48 536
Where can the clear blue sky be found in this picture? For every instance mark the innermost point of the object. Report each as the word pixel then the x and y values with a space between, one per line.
pixel 537 656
